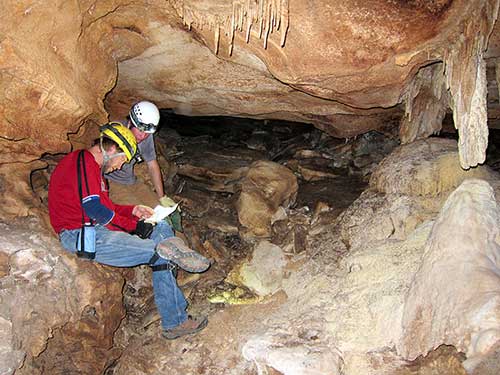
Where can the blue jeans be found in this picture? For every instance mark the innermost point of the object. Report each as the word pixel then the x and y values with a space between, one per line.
pixel 121 249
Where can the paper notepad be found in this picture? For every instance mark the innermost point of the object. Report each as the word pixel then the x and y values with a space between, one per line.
pixel 160 213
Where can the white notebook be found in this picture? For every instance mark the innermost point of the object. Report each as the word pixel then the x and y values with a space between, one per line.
pixel 160 213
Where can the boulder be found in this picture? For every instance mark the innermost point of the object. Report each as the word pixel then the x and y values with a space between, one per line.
pixel 266 186
pixel 263 272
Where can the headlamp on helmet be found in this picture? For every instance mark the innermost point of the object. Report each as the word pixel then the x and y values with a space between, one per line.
pixel 145 116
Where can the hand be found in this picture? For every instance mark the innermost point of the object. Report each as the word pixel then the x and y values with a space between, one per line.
pixel 166 201
pixel 143 229
pixel 142 212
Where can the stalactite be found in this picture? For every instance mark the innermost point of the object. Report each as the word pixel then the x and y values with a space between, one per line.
pixel 274 9
pixel 284 21
pixel 497 76
pixel 249 27
pixel 268 25
pixel 217 37
pixel 240 23
pixel 261 17
pixel 466 80
pixel 242 16
pixel 278 14
pixel 426 101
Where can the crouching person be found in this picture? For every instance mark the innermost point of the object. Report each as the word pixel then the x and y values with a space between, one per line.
pixel 90 225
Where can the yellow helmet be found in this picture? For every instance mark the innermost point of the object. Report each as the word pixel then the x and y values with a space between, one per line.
pixel 122 136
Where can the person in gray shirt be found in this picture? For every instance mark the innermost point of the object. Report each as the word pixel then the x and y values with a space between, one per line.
pixel 143 121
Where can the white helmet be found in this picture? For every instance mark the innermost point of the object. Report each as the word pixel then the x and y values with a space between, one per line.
pixel 145 116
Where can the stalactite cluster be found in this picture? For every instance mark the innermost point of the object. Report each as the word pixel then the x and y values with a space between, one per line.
pixel 462 86
pixel 258 17
pixel 426 101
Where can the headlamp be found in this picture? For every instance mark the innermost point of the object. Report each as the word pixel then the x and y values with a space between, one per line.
pixel 146 128
pixel 138 158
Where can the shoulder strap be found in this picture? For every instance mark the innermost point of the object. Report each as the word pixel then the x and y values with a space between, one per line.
pixel 81 169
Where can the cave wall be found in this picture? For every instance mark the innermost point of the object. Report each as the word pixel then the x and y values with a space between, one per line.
pixel 57 62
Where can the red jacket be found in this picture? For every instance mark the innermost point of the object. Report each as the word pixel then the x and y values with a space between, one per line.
pixel 65 208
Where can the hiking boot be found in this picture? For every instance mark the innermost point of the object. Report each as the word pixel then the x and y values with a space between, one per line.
pixel 175 250
pixel 189 327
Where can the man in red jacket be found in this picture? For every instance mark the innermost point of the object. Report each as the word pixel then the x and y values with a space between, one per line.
pixel 78 197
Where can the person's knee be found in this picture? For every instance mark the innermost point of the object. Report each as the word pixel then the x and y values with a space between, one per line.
pixel 165 229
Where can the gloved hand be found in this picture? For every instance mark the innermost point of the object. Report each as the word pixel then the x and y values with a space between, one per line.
pixel 167 202
pixel 143 229
pixel 174 219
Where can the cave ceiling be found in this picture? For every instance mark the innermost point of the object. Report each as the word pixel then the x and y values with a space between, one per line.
pixel 326 63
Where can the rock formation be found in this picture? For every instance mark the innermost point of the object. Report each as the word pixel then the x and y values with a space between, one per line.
pixel 266 187
pixel 453 298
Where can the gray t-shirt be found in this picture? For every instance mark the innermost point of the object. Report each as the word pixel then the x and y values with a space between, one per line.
pixel 126 175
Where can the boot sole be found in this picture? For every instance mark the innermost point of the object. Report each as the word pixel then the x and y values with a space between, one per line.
pixel 187 259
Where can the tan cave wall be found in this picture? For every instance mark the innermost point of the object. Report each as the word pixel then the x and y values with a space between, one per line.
pixel 57 62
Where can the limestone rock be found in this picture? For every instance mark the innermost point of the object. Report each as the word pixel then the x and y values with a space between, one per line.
pixel 466 81
pixel 266 186
pixel 358 62
pixel 10 357
pixel 263 273
pixel 398 216
pixel 290 232
pixel 287 358
pixel 426 168
pixel 453 298
pixel 16 192
pixel 49 298
pixel 426 104
pixel 346 81
pixel 212 169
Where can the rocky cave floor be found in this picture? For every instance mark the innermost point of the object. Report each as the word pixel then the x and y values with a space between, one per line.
pixel 202 161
